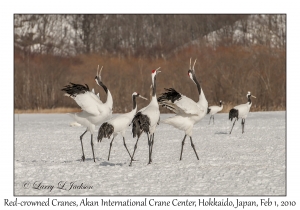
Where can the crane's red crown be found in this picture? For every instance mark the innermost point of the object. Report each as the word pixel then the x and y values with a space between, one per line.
pixel 153 71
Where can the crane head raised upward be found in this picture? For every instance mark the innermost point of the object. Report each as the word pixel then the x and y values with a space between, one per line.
pixel 98 75
pixel 154 73
pixel 191 71
pixel 192 75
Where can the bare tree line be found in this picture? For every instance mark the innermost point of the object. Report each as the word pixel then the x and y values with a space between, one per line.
pixel 142 35
pixel 53 50
pixel 225 74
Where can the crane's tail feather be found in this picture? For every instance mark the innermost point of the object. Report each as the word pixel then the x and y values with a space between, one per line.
pixel 169 106
pixel 140 123
pixel 233 113
pixel 168 98
pixel 74 89
pixel 105 131
pixel 170 95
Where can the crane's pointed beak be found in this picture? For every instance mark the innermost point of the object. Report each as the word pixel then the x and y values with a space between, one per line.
pixel 143 97
pixel 253 96
pixel 157 70
pixel 98 75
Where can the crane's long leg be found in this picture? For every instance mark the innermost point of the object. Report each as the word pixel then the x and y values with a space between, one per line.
pixel 126 147
pixel 110 147
pixel 243 125
pixel 149 144
pixel 152 142
pixel 152 145
pixel 210 119
pixel 135 146
pixel 82 157
pixel 182 147
pixel 192 144
pixel 213 119
pixel 92 144
pixel 232 125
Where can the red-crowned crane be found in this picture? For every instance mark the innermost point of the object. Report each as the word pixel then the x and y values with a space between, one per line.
pixel 95 112
pixel 188 112
pixel 118 124
pixel 241 111
pixel 212 110
pixel 147 119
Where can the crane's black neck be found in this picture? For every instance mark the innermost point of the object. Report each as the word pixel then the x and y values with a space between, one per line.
pixel 104 87
pixel 101 83
pixel 249 99
pixel 220 103
pixel 197 83
pixel 154 87
pixel 134 102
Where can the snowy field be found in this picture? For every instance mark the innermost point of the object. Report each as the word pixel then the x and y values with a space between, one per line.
pixel 47 157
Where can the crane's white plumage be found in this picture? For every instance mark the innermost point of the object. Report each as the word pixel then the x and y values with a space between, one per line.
pixel 212 110
pixel 147 119
pixel 89 102
pixel 185 106
pixel 185 118
pixel 94 111
pixel 119 124
pixel 152 112
pixel 241 111
pixel 188 112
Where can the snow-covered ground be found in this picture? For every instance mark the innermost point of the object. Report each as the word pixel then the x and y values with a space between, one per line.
pixel 47 153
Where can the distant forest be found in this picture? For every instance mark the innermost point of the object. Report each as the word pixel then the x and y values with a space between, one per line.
pixel 235 54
